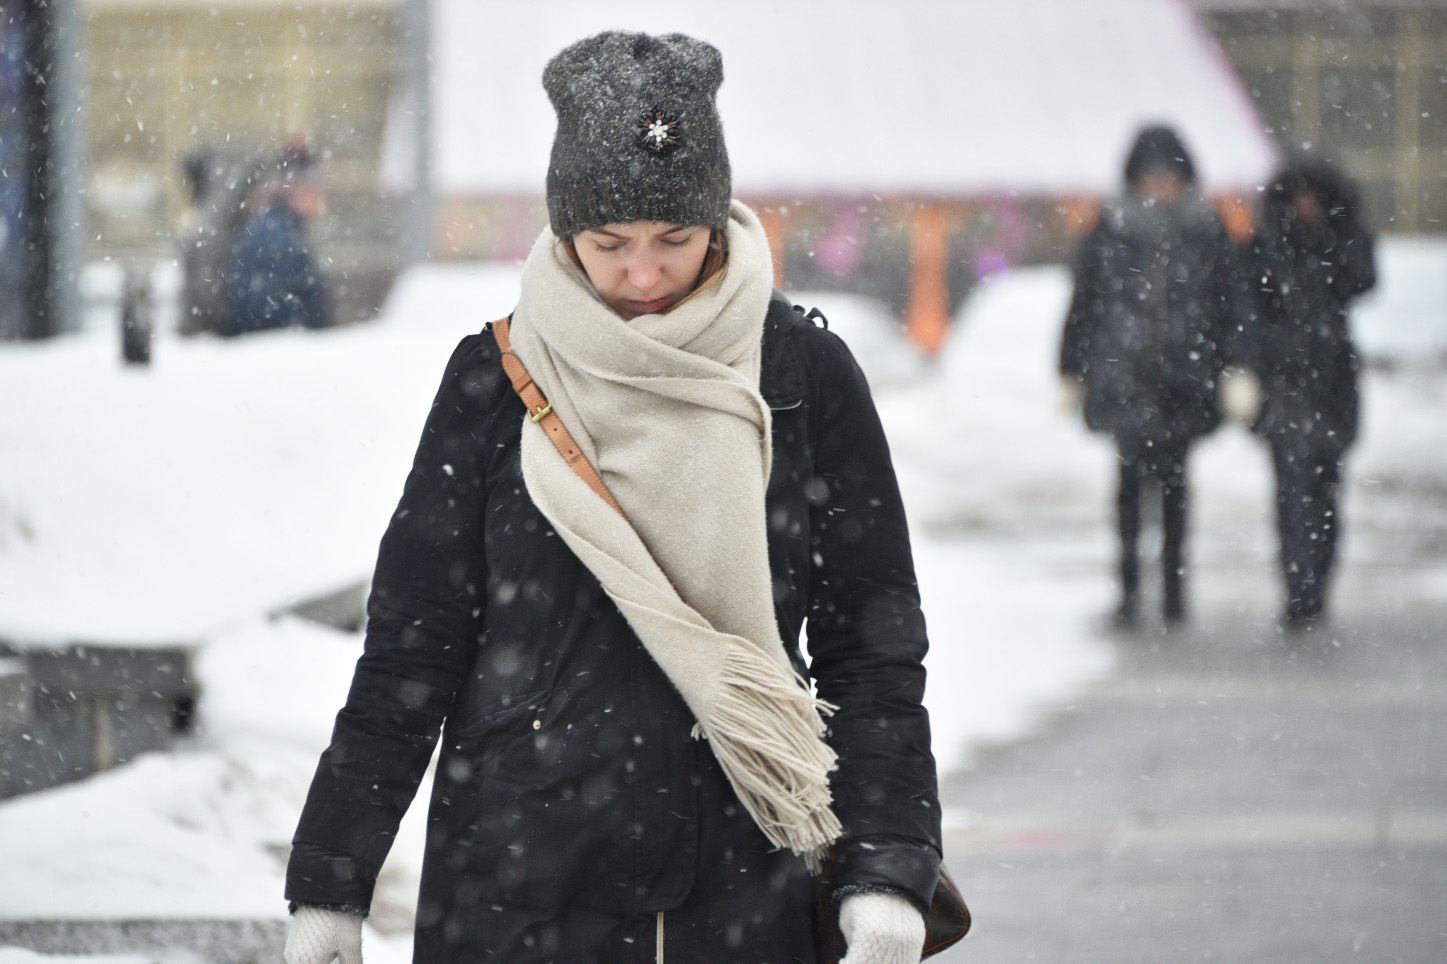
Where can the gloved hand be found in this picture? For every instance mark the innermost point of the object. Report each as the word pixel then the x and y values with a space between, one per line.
pixel 1072 395
pixel 1239 396
pixel 318 936
pixel 880 928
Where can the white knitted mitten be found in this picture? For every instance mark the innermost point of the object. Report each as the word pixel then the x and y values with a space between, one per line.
pixel 880 928
pixel 318 935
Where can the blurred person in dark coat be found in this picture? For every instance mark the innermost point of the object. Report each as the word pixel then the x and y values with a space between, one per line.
pixel 219 180
pixel 271 277
pixel 1145 342
pixel 1312 255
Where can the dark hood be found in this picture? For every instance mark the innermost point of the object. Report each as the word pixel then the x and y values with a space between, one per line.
pixel 1159 148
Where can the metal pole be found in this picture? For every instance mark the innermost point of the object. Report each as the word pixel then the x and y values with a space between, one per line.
pixel 66 177
pixel 29 250
pixel 416 60
pixel 57 149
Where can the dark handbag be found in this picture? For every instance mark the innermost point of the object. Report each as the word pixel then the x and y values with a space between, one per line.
pixel 948 919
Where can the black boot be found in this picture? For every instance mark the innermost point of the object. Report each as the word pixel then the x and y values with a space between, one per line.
pixel 1174 606
pixel 1129 521
pixel 1128 612
pixel 1302 612
pixel 1173 547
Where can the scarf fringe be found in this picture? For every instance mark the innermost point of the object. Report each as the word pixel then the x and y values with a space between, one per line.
pixel 767 733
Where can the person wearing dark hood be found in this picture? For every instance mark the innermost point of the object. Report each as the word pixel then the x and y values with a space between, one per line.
pixel 271 278
pixel 629 499
pixel 1311 256
pixel 1144 344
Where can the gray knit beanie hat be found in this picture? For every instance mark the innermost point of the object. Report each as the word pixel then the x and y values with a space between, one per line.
pixel 639 136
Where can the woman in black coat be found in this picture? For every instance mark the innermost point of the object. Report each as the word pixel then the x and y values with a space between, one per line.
pixel 632 767
pixel 1312 255
pixel 1144 343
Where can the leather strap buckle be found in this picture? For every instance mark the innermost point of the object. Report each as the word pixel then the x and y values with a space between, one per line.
pixel 539 408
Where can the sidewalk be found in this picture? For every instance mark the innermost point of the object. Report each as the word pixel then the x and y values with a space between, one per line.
pixel 1232 795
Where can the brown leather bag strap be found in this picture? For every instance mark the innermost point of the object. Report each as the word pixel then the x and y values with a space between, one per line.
pixel 541 412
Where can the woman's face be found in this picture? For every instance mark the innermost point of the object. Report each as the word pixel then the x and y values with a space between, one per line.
pixel 642 267
pixel 1308 208
pixel 1160 187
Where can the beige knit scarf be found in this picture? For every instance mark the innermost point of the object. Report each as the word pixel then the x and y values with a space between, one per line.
pixel 667 407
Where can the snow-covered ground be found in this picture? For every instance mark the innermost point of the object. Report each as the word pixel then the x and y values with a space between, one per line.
pixel 192 500
pixel 16 955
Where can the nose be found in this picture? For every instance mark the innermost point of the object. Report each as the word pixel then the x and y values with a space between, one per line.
pixel 644 272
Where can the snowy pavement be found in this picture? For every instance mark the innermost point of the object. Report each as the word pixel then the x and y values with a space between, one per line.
pixel 1233 795
pixel 194 499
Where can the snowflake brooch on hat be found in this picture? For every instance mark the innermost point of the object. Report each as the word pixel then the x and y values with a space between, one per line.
pixel 658 130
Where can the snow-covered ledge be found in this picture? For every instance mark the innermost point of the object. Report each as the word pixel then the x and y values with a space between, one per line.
pixel 71 710
pixel 141 941
pixel 19 955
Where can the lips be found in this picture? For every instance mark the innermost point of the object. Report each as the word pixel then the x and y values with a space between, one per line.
pixel 647 307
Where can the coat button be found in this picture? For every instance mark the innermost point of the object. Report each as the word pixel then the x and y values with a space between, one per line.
pixel 537 724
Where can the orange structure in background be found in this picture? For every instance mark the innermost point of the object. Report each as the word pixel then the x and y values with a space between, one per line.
pixel 931 227
pixel 1082 213
pixel 776 228
pixel 1079 214
pixel 927 317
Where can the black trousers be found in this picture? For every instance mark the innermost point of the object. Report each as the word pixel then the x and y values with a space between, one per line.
pixel 1165 464
pixel 1307 523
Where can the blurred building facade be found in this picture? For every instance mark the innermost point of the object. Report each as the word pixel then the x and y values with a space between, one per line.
pixel 900 151
pixel 1365 81
pixel 169 77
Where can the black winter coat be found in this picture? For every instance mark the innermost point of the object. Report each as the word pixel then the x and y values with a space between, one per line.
pixel 1155 302
pixel 571 806
pixel 1302 280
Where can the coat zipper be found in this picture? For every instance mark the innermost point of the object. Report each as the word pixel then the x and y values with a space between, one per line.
pixel 660 938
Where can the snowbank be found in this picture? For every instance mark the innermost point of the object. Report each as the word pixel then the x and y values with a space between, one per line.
pixel 229 478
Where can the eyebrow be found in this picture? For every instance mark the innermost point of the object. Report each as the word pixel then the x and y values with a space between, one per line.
pixel 623 237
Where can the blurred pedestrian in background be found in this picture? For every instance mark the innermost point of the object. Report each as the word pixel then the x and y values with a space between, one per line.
pixel 1312 255
pixel 219 178
pixel 271 277
pixel 1145 341
pixel 203 247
